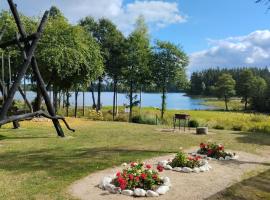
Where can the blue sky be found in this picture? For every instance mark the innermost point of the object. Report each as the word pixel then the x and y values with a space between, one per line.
pixel 224 33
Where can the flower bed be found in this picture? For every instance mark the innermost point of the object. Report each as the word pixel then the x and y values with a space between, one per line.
pixel 215 151
pixel 186 163
pixel 137 180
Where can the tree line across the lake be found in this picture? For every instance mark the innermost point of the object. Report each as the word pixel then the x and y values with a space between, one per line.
pixel 252 85
pixel 81 57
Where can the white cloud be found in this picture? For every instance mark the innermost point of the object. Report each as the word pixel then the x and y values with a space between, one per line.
pixel 157 13
pixel 249 50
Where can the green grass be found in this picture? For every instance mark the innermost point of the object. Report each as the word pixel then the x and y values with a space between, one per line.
pixel 234 104
pixel 255 187
pixel 35 164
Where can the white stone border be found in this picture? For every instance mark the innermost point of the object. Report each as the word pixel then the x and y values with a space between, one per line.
pixel 204 168
pixel 105 184
pixel 221 158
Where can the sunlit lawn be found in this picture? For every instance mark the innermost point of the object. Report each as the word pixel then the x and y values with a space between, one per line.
pixel 35 164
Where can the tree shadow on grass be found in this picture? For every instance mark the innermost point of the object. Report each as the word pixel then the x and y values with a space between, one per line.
pixel 2 137
pixel 253 138
pixel 257 187
pixel 73 161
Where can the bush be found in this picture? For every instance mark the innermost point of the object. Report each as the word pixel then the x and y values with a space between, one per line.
pixel 218 127
pixel 262 129
pixel 237 128
pixel 182 160
pixel 144 119
pixel 193 123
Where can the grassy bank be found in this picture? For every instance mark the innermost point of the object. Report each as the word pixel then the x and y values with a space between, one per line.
pixel 238 121
pixel 234 104
pixel 35 164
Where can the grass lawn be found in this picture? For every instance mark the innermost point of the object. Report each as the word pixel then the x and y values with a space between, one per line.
pixel 35 164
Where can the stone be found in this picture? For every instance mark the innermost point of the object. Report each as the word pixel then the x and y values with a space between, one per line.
pixel 221 158
pixel 210 167
pixel 228 158
pixel 196 170
pixel 166 181
pixel 177 169
pixel 163 189
pixel 202 130
pixel 202 169
pixel 138 192
pixel 235 157
pixel 151 193
pixel 105 181
pixel 168 167
pixel 111 188
pixel 187 169
pixel 127 192
pixel 204 162
pixel 163 163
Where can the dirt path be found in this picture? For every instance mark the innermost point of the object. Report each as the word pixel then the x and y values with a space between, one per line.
pixel 190 186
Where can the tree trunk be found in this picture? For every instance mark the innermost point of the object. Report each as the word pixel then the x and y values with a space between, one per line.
pixel 246 102
pixel 38 101
pixel 140 99
pixel 67 103
pixel 130 101
pixel 114 99
pixel 94 106
pixel 55 101
pixel 163 104
pixel 76 103
pixel 63 100
pixel 83 103
pixel 59 99
pixel 226 103
pixel 99 94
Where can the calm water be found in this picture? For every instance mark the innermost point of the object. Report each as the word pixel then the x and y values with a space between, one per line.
pixel 174 100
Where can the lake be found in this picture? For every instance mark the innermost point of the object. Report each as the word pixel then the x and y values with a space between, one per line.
pixel 174 100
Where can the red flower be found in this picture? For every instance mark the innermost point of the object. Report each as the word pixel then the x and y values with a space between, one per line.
pixel 202 145
pixel 160 168
pixel 133 164
pixel 154 176
pixel 118 174
pixel 190 158
pixel 137 178
pixel 143 176
pixel 148 166
pixel 131 177
pixel 123 186
pixel 209 152
pixel 221 148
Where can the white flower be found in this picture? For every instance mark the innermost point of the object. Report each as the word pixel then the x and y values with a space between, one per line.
pixel 124 164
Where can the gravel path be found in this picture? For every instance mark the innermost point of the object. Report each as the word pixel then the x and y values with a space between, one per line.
pixel 184 186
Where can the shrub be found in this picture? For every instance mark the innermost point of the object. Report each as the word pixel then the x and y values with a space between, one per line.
pixel 182 160
pixel 258 129
pixel 144 119
pixel 193 123
pixel 213 150
pixel 138 176
pixel 219 127
pixel 237 128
